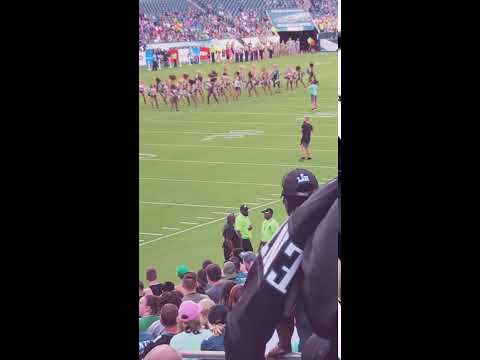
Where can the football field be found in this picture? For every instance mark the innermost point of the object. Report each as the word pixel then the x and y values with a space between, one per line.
pixel 201 163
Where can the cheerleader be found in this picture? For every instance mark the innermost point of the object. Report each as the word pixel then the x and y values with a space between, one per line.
pixel 237 84
pixel 199 86
pixel 311 73
pixel 161 90
pixel 299 74
pixel 192 91
pixel 242 76
pixel 183 89
pixel 141 91
pixel 211 85
pixel 289 77
pixel 152 94
pixel 276 78
pixel 195 89
pixel 265 81
pixel 251 83
pixel 225 86
pixel 173 97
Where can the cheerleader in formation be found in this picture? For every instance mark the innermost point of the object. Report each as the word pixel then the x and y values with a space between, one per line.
pixel 188 91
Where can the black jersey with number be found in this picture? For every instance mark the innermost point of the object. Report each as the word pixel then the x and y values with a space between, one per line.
pixel 300 260
pixel 306 132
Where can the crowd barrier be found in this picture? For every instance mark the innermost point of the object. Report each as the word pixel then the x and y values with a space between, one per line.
pixel 212 355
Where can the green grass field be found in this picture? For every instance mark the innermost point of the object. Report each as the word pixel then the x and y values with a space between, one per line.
pixel 191 174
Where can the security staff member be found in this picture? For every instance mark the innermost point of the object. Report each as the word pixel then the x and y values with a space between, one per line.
pixel 269 226
pixel 244 227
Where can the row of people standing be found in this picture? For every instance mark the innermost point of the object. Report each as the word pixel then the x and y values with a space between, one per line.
pixel 254 52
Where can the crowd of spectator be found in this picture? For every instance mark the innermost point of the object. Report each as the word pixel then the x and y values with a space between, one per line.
pixel 195 25
pixel 219 23
pixel 191 315
pixel 325 15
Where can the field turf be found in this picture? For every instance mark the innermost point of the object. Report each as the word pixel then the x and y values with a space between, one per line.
pixel 198 164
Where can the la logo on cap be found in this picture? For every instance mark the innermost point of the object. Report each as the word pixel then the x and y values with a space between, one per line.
pixel 302 178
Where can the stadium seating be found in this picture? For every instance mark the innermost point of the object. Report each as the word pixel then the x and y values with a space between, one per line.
pixel 235 7
pixel 182 20
pixel 154 7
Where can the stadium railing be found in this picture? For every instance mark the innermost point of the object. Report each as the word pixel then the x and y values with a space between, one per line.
pixel 212 355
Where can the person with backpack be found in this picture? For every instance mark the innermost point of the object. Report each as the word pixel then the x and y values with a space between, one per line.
pixel 293 277
pixel 231 238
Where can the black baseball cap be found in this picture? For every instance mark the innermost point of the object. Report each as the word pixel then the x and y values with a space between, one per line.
pixel 243 207
pixel 299 182
pixel 269 210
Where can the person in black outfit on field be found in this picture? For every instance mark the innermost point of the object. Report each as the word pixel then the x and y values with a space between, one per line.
pixel 307 129
pixel 231 239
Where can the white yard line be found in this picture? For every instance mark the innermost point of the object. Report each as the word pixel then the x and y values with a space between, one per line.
pixel 188 205
pixel 220 213
pixel 275 194
pixel 210 133
pixel 265 199
pixel 258 113
pixel 187 223
pixel 204 218
pixel 239 147
pixel 140 240
pixel 169 228
pixel 209 181
pixel 200 225
pixel 143 233
pixel 228 123
pixel 306 164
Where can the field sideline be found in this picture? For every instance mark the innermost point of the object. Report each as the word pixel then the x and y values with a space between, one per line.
pixel 198 164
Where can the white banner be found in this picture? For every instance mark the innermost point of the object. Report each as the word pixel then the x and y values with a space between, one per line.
pixel 183 56
pixel 141 59
pixel 213 43
pixel 172 45
pixel 328 45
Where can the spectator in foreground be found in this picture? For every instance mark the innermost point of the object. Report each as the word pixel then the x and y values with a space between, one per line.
pixel 236 252
pixel 163 352
pixel 181 270
pixel 214 276
pixel 248 259
pixel 171 297
pixel 206 263
pixel 241 277
pixel 153 282
pixel 235 295
pixel 217 319
pixel 148 310
pixel 191 333
pixel 168 286
pixel 168 318
pixel 229 271
pixel 206 305
pixel 202 281
pixel 140 290
pixel 229 284
pixel 189 283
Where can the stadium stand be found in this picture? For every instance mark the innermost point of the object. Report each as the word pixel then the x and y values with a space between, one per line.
pixel 162 6
pixel 182 20
pixel 195 25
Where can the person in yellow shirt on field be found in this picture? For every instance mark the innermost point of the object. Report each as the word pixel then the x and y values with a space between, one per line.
pixel 244 227
pixel 269 227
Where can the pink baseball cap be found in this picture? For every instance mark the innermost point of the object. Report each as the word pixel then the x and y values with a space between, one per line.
pixel 188 311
